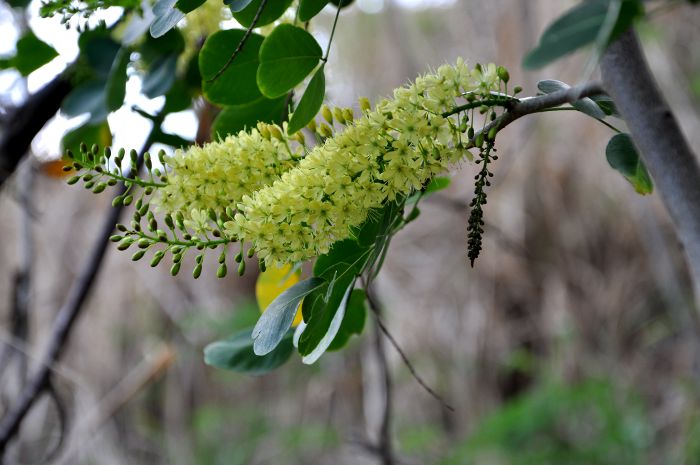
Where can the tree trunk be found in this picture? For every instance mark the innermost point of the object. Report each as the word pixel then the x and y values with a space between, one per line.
pixel 658 137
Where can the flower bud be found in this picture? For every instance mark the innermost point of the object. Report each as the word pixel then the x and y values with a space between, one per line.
pixel 157 257
pixel 196 273
pixel 503 74
pixel 138 255
pixel 221 271
pixel 241 269
pixel 327 114
pixel 175 269
pixel 364 104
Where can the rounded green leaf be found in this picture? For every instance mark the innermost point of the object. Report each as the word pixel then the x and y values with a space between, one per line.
pixel 233 119
pixel 166 17
pixel 272 10
pixel 279 315
pixel 188 5
pixel 584 105
pixel 237 84
pixel 576 28
pixel 236 354
pixel 32 54
pixel 623 157
pixel 161 77
pixel 353 321
pixel 310 8
pixel 310 102
pixel 333 328
pixel 116 82
pixel 287 56
pixel 88 97
pixel 237 5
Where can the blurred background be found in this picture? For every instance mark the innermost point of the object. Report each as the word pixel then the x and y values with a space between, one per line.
pixel 573 340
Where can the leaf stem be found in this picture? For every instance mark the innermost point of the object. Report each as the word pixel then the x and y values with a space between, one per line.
pixel 330 40
pixel 240 45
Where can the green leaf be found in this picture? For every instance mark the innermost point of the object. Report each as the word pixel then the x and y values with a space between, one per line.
pixel 155 48
pixel 88 97
pixel 580 26
pixel 166 17
pixel 287 56
pixel 32 54
pixel 310 8
pixel 237 84
pixel 345 3
pixel 186 6
pixel 272 10
pixel 233 119
pixel 88 134
pixel 99 51
pixel 19 3
pixel 236 354
pixel 437 184
pixel 606 104
pixel 340 265
pixel 178 98
pixel 116 83
pixel 331 332
pixel 623 157
pixel 279 315
pixel 237 5
pixel 584 105
pixel 353 321
pixel 160 77
pixel 310 102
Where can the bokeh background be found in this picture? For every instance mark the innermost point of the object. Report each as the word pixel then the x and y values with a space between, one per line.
pixel 573 340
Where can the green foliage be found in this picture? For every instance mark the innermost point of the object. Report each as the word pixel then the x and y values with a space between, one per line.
pixel 167 15
pixel 586 105
pixel 353 320
pixel 273 10
pixel 235 118
pixel 310 102
pixel 115 88
pixel 287 56
pixel 588 22
pixel 279 315
pixel 32 54
pixel 586 424
pixel 623 157
pixel 236 354
pixel 310 8
pixel 236 85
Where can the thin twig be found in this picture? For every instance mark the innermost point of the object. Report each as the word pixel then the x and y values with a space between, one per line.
pixel 384 447
pixel 67 316
pixel 240 45
pixel 375 309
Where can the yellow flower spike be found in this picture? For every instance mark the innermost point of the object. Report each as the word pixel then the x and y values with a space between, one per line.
pixel 273 282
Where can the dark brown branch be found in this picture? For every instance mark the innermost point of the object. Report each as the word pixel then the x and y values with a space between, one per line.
pixel 26 121
pixel 240 45
pixel 65 321
pixel 656 133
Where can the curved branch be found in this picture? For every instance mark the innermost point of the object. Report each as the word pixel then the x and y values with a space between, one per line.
pixel 656 133
pixel 25 121
pixel 65 321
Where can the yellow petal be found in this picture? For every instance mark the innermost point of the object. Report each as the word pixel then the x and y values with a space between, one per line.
pixel 272 283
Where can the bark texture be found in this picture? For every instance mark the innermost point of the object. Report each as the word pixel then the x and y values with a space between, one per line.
pixel 658 137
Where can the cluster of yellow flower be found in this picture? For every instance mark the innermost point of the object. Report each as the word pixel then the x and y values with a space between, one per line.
pixel 294 210
pixel 219 174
